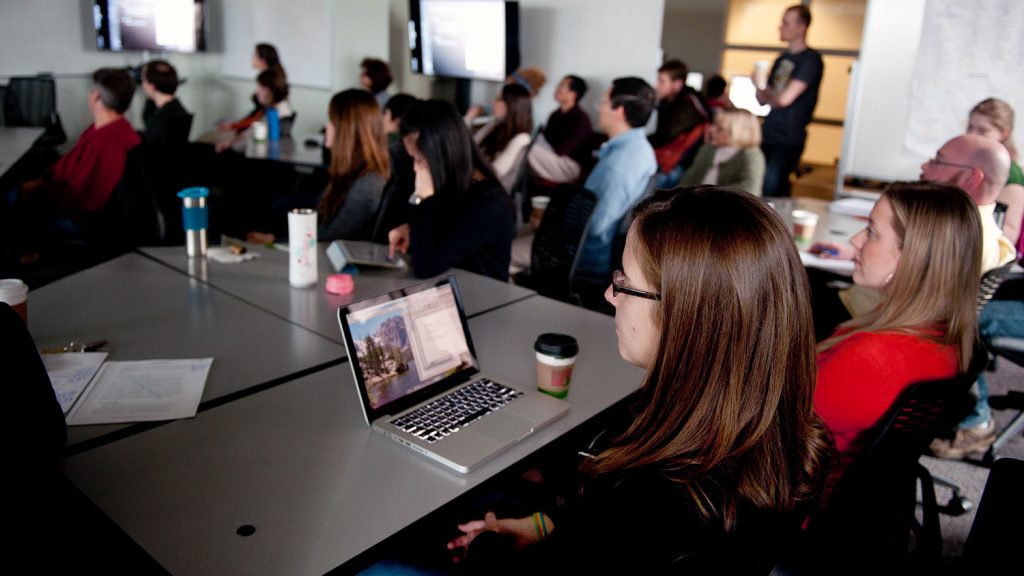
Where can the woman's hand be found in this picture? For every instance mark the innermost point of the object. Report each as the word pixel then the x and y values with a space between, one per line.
pixel 424 181
pixel 223 125
pixel 833 250
pixel 474 112
pixel 398 241
pixel 259 238
pixel 524 531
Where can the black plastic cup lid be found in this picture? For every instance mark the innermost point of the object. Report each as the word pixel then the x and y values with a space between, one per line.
pixel 556 345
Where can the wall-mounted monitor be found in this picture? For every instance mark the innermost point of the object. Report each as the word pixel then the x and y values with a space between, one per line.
pixel 159 25
pixel 474 39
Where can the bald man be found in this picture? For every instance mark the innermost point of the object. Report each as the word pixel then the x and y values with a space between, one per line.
pixel 980 166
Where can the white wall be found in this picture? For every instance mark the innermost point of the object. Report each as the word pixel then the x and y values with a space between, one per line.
pixel 693 31
pixel 56 36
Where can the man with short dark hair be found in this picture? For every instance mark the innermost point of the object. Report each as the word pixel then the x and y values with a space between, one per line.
pixel 563 149
pixel 792 92
pixel 679 107
pixel 375 76
pixel 624 168
pixel 83 178
pixel 166 120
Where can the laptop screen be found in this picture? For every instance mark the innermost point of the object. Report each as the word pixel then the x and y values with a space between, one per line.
pixel 403 342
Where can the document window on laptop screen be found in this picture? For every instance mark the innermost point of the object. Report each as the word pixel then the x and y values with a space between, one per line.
pixel 405 345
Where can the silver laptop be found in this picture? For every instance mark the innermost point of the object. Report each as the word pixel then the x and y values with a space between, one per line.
pixel 419 381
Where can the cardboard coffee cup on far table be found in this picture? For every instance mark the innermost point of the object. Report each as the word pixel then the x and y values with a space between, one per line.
pixel 15 293
pixel 804 223
pixel 761 74
pixel 556 356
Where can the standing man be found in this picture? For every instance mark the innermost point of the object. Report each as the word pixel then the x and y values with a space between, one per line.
pixel 624 168
pixel 792 92
pixel 562 150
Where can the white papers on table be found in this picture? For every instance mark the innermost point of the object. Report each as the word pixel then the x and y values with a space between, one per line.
pixel 70 373
pixel 829 264
pixel 143 391
pixel 224 255
pixel 860 207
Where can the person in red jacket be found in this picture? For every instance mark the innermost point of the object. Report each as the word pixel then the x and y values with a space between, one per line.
pixel 922 250
pixel 83 179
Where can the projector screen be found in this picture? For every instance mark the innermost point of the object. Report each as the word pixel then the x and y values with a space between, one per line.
pixel 160 25
pixel 475 39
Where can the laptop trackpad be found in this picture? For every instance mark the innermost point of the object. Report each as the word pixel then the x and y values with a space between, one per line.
pixel 503 426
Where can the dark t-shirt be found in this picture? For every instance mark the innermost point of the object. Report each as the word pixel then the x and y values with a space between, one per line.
pixel 788 125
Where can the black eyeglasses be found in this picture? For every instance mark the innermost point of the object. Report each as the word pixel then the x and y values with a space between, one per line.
pixel 619 287
pixel 940 162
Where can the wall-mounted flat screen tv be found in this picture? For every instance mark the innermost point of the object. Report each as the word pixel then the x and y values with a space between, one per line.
pixel 158 25
pixel 474 39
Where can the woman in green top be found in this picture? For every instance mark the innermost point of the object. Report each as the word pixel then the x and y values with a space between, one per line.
pixel 732 154
pixel 992 118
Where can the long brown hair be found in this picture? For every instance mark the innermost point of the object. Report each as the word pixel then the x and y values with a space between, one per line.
pixel 1001 115
pixel 934 290
pixel 359 147
pixel 518 120
pixel 726 408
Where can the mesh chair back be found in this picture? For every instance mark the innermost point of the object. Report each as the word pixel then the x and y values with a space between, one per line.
pixel 3 104
pixel 32 101
pixel 871 511
pixel 556 245
pixel 286 124
pixel 990 282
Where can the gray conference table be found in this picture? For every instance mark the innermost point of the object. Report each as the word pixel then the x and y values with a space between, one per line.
pixel 832 227
pixel 297 462
pixel 291 150
pixel 263 282
pixel 147 311
pixel 14 142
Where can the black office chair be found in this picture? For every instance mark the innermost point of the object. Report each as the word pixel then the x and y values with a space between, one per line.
pixel 864 526
pixel 1011 349
pixel 994 541
pixel 131 216
pixel 32 101
pixel 557 243
pixel 286 123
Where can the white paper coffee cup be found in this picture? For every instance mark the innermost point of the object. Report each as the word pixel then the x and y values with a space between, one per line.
pixel 804 223
pixel 259 131
pixel 15 293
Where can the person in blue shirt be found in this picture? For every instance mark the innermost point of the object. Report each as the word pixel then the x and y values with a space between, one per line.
pixel 624 168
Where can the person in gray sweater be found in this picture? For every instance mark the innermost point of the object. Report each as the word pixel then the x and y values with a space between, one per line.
pixel 359 169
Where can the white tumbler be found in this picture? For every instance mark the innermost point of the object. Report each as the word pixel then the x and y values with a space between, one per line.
pixel 302 271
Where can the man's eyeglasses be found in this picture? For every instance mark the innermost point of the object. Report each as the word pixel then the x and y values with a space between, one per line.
pixel 939 162
pixel 619 287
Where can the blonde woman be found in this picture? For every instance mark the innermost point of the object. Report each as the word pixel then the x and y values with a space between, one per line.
pixel 922 251
pixel 993 119
pixel 732 154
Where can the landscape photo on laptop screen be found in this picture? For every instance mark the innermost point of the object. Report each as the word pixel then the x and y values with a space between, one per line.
pixel 405 344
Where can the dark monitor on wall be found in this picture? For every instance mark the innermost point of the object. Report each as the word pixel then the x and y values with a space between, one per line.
pixel 159 25
pixel 471 39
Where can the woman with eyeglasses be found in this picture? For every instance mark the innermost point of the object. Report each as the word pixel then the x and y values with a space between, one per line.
pixel 921 250
pixel 721 452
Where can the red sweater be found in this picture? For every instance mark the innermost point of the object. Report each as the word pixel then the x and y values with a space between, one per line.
pixel 87 174
pixel 860 378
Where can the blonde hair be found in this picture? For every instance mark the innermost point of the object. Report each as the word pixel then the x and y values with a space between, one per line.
pixel 933 292
pixel 1001 115
pixel 742 127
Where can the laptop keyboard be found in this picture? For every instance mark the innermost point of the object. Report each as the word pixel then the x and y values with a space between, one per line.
pixel 449 413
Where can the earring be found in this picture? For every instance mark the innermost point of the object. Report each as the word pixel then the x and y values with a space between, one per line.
pixel 888 278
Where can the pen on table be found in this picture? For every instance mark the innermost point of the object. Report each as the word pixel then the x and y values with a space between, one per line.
pixel 73 346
